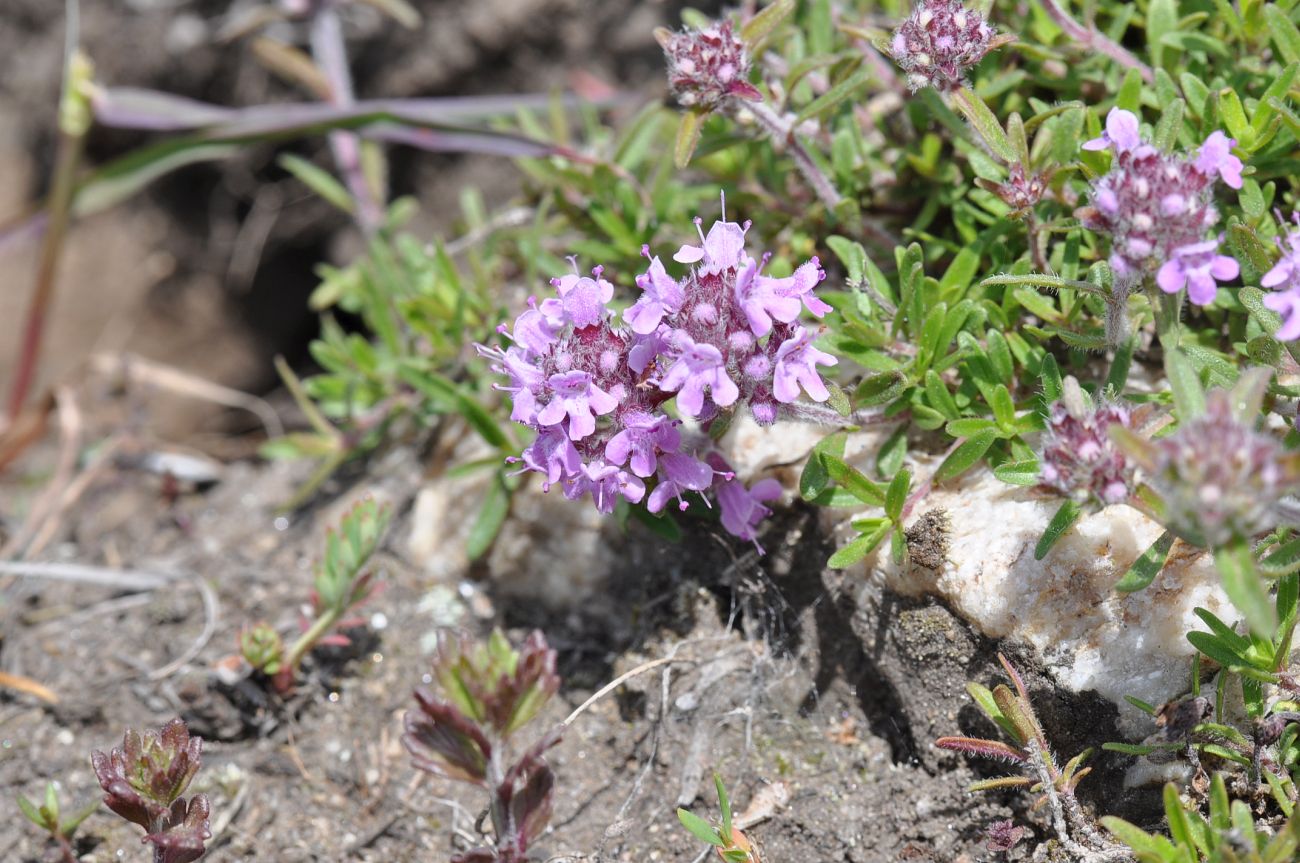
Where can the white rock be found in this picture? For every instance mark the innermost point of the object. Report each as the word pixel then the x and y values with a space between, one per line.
pixel 1092 637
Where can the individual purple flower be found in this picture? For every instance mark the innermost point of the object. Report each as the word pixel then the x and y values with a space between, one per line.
pixel 643 437
pixel 697 367
pixel 708 67
pixel 1215 157
pixel 577 398
pixel 583 299
pixel 796 364
pixel 761 301
pixel 939 42
pixel 1286 304
pixel 742 508
pixel 1197 267
pixel 1157 208
pixel 723 248
pixel 535 331
pixel 1284 278
pixel 606 483
pixel 662 296
pixel 800 286
pixel 1122 133
pixel 678 474
pixel 552 455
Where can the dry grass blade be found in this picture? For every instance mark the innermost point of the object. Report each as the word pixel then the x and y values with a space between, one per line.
pixel 26 685
pixel 139 370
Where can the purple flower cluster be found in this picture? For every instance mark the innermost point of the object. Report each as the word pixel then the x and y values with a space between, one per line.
pixel 1157 208
pixel 595 392
pixel 1218 476
pixel 1285 277
pixel 938 42
pixel 706 67
pixel 1079 459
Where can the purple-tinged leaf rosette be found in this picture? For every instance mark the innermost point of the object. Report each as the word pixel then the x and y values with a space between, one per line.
pixel 144 781
pixel 1158 209
pixel 725 335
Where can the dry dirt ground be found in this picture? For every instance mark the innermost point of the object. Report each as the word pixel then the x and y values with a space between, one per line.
pixel 784 676
pixel 787 680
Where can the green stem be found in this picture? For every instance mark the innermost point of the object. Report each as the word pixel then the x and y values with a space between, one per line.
pixel 308 639
pixel 74 122
pixel 1168 311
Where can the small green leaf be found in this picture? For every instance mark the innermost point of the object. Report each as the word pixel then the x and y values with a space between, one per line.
pixel 1050 374
pixel 1022 473
pixel 966 455
pixel 688 135
pixel 1117 378
pixel 1286 36
pixel 724 804
pixel 1147 566
pixel 1064 519
pixel 859 548
pixel 815 478
pixel 896 494
pixel 491 515
pixel 838 399
pixel 881 389
pixel 833 97
pixel 758 28
pixel 1162 18
pixel 1245 587
pixel 33 815
pixel 319 181
pixel 1185 383
pixel 985 123
pixel 699 828
pixel 853 481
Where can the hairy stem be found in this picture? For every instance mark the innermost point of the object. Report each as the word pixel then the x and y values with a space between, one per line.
pixel 330 53
pixel 782 130
pixel 1094 39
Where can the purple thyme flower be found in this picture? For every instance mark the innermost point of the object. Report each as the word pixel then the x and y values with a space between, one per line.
pixel 1215 157
pixel 1285 278
pixel 1198 267
pixel 595 393
pixel 698 366
pixel 606 483
pixel 577 398
pixel 582 298
pixel 707 67
pixel 796 364
pixel 742 508
pixel 1079 459
pixel 723 249
pixel 552 455
pixel 938 42
pixel 761 301
pixel 1122 133
pixel 643 436
pixel 679 474
pixel 1157 208
pixel 663 296
pixel 1219 477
